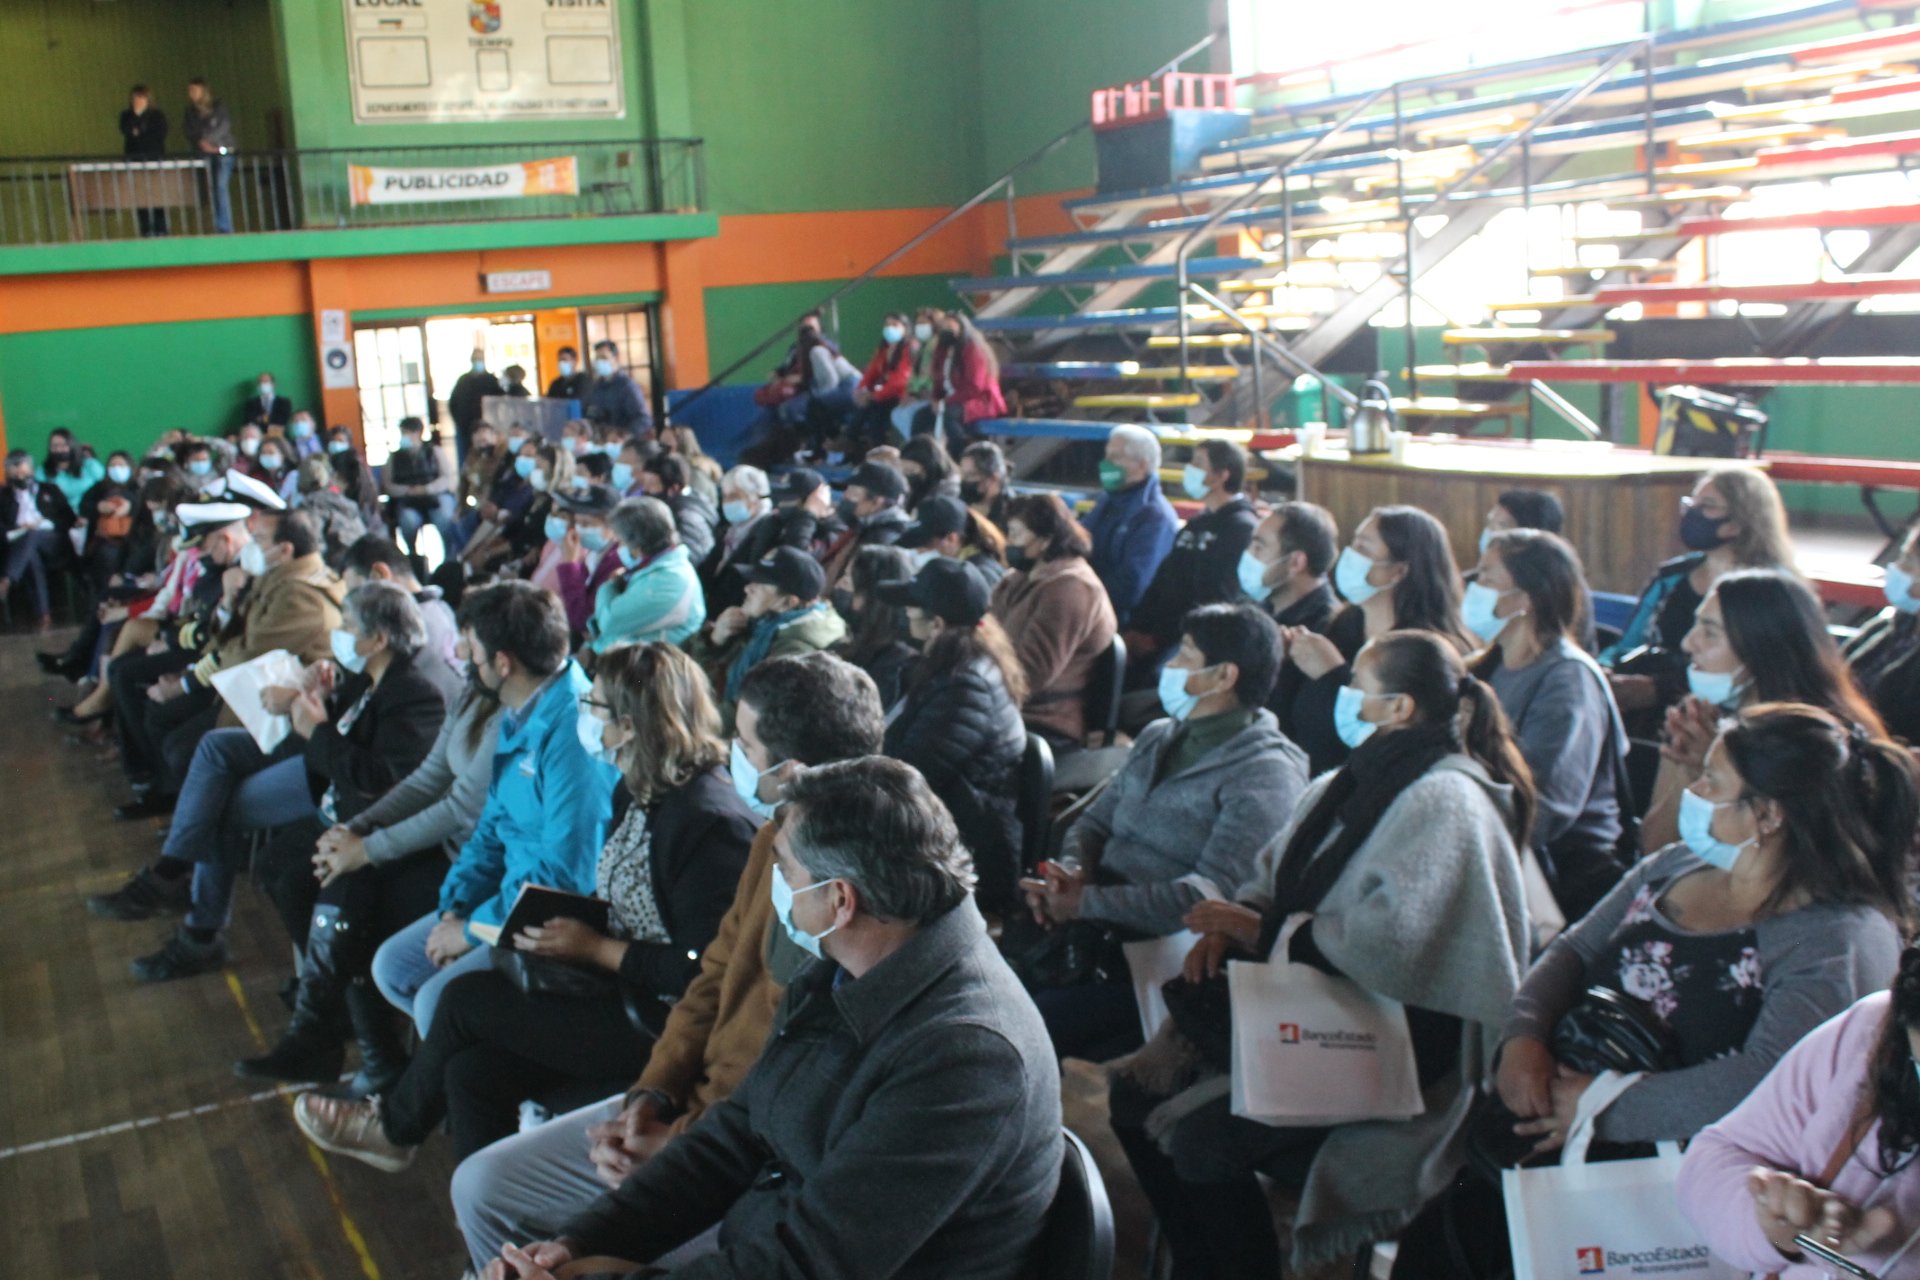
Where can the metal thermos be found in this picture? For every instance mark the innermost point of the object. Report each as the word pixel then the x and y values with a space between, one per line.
pixel 1373 422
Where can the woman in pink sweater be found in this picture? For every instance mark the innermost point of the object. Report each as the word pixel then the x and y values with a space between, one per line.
pixel 1824 1145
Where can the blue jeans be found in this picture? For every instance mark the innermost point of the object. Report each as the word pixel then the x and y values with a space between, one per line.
pixel 407 521
pixel 410 982
pixel 28 559
pixel 232 788
pixel 220 180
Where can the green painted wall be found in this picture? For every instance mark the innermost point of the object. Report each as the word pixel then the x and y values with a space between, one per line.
pixel 69 64
pixel 119 387
pixel 740 316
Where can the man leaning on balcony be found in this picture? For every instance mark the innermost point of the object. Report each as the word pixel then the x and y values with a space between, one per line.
pixel 210 133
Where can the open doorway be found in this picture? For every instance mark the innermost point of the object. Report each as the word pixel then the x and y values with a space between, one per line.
pixel 452 340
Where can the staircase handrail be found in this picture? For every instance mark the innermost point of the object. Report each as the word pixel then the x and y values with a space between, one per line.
pixel 939 224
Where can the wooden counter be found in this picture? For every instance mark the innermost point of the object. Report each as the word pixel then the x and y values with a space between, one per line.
pixel 1622 504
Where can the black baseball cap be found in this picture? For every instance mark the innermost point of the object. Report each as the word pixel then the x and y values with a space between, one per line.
pixel 936 517
pixel 791 570
pixel 594 500
pixel 797 484
pixel 881 480
pixel 945 588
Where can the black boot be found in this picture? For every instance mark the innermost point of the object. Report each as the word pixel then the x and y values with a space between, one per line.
pixel 383 1046
pixel 313 1048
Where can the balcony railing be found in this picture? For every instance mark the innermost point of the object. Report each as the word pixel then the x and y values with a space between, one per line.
pixel 80 199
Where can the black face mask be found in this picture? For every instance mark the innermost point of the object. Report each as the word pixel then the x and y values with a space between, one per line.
pixel 1019 558
pixel 1700 531
pixel 848 514
pixel 971 493
pixel 19 482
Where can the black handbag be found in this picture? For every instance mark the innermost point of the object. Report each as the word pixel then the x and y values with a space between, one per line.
pixel 546 977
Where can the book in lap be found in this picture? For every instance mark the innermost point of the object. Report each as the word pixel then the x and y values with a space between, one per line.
pixel 538 903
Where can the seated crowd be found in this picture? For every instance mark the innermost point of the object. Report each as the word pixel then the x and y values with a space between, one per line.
pixel 695 808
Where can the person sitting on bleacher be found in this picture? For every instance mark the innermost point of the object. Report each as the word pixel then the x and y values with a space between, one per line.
pixel 666 476
pixel 746 503
pixel 1204 790
pixel 984 482
pixel 1526 602
pixel 943 526
pixel 1132 525
pixel 929 470
pixel 1055 612
pixel 966 383
pixel 1202 568
pixel 419 489
pixel 872 511
pixel 1759 636
pixel 884 384
pixel 584 552
pixel 116 529
pixel 1785 902
pixel 784 612
pixel 877 631
pixel 906 1064
pixel 926 328
pixel 795 713
pixel 1734 520
pixel 35 517
pixel 1397 574
pixel 546 811
pixel 959 721
pixel 1284 571
pixel 1885 655
pixel 335 516
pixel 70 467
pixel 656 595
pixel 801 515
pixel 377 559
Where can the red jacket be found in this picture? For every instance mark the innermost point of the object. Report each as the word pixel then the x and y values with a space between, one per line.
pixel 889 385
pixel 965 382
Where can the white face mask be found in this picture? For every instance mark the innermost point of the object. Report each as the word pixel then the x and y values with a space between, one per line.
pixel 253 560
pixel 593 732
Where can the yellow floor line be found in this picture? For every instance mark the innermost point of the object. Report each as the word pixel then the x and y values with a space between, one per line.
pixel 348 1228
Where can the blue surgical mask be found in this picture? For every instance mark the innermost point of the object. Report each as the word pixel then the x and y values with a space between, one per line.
pixel 603 367
pixel 200 467
pixel 1696 831
pixel 1350 575
pixel 514 440
pixel 538 480
pixel 556 529
pixel 1346 717
pixel 271 461
pixel 338 446
pixel 1486 540
pixel 266 391
pixel 566 368
pixel 746 784
pixel 592 538
pixel 736 512
pixel 1715 687
pixel 1193 480
pixel 592 730
pixel 1252 572
pixel 622 476
pixel 1477 611
pixel 892 333
pixel 523 467
pixel 1173 691
pixel 923 333
pixel 783 896
pixel 301 428
pixel 119 473
pixel 479 366
pixel 630 558
pixel 344 653
pixel 1899 591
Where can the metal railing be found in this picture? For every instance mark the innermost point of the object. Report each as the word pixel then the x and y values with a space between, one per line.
pixel 1005 180
pixel 83 199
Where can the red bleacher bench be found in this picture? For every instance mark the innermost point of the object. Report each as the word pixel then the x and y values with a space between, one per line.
pixel 1860 286
pixel 1743 371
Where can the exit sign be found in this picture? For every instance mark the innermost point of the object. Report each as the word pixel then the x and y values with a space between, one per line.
pixel 517 281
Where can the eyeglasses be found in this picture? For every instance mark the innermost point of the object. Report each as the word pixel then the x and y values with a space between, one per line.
pixel 595 704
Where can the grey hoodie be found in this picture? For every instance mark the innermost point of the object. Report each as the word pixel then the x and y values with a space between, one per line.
pixel 1195 834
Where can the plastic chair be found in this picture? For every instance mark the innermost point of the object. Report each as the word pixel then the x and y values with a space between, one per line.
pixel 1033 802
pixel 1105 684
pixel 1076 1242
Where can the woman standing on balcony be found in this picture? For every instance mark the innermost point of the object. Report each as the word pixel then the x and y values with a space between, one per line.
pixel 143 131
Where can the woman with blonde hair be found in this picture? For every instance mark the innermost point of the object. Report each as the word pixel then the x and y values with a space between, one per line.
pixel 550 1019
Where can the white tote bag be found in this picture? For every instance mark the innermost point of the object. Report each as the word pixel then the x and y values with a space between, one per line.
pixel 1617 1219
pixel 1154 962
pixel 242 686
pixel 1311 1050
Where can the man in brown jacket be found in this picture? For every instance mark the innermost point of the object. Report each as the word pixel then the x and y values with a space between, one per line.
pixel 794 712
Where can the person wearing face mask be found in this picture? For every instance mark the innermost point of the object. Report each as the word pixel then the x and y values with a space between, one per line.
pixel 108 529
pixel 919 390
pixel 871 512
pixel 1056 614
pixel 983 474
pixel 246 447
pixel 513 381
pixel 1759 636
pixel 519 487
pixel 929 470
pixel 1204 790
pixel 419 489
pixel 1132 525
pixel 1397 574
pixel 264 406
pixel 1734 520
pixel 1525 604
pixel 1885 655
pixel 1406 861
pixel 965 388
pixel 1822 1147
pixel 36 519
pixel 1738 941
pixel 746 507
pixel 883 387
pixel 359 724
pixel 656 595
pixel 303 438
pixel 1533 509
pixel 125 549
pixel 813 364
pixel 1202 567
pixel 783 613
pixel 905 1057
pixel 582 553
pixel 795 712
pixel 467 402
pixel 570 380
pixel 317 493
pixel 877 634
pixel 667 477
pixel 546 811
pixel 673 857
pixel 69 467
pixel 614 400
pixel 959 722
pixel 197 460
pixel 1284 570
pixel 944 528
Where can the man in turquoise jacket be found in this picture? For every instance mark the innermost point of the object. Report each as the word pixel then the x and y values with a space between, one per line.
pixel 657 593
pixel 547 809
